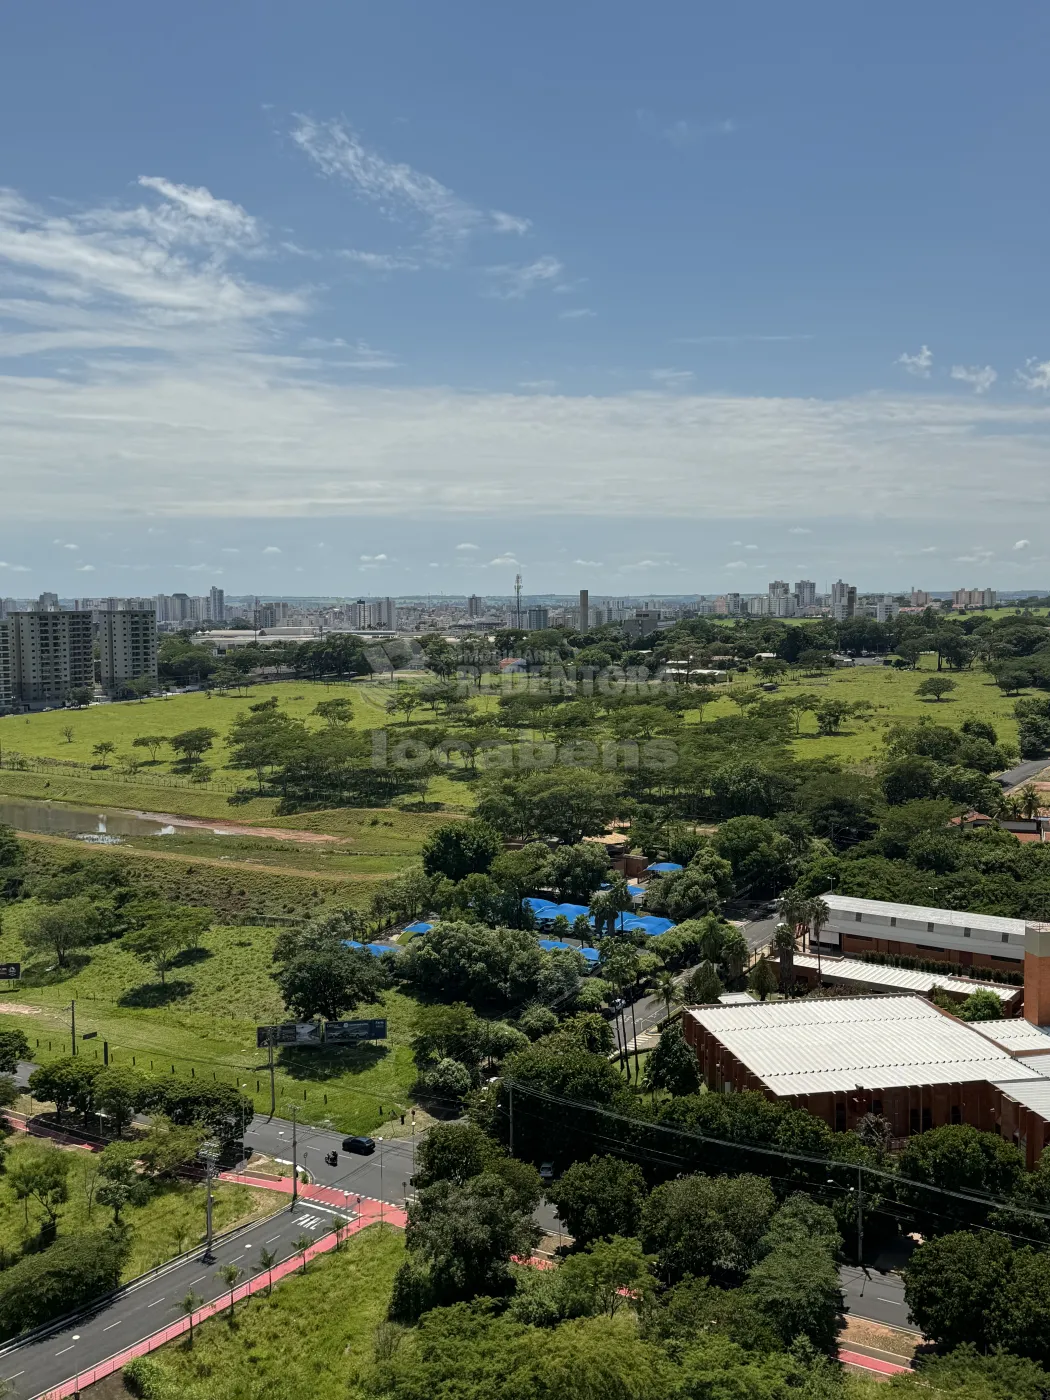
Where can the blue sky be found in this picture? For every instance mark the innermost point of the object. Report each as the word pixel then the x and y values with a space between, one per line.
pixel 664 298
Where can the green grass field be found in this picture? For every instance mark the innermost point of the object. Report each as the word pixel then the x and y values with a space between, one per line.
pixel 170 1222
pixel 306 1341
pixel 203 1021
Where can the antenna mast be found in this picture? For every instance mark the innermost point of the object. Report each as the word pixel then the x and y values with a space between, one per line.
pixel 517 601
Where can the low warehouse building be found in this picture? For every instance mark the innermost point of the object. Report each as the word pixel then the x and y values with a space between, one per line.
pixel 914 931
pixel 853 975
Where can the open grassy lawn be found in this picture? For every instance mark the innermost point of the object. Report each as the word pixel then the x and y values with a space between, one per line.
pixel 306 1341
pixel 203 1021
pixel 169 1223
pixel 892 693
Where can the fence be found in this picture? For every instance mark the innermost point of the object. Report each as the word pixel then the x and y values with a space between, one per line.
pixel 32 763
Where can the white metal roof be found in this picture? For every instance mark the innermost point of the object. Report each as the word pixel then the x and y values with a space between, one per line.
pixel 1016 1035
pixel 900 978
pixel 737 999
pixel 920 914
pixel 1033 1093
pixel 831 1045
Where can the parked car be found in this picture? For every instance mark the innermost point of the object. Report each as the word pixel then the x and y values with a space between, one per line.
pixel 546 1171
pixel 362 1145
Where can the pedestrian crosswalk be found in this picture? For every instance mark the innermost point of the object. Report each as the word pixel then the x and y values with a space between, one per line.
pixel 310 1222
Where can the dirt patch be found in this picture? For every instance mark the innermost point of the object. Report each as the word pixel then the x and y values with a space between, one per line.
pixel 18 1008
pixel 221 828
pixel 888 1342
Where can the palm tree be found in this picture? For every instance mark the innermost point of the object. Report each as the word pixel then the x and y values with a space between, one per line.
pixel 229 1273
pixel 818 916
pixel 189 1305
pixel 784 937
pixel 302 1244
pixel 1030 801
pixel 267 1259
pixel 664 985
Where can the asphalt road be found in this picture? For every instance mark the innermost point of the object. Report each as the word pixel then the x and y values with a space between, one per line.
pixel 151 1305
pixel 876 1296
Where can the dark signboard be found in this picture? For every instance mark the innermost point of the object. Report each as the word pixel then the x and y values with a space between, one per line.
pixel 346 1032
pixel 10 972
pixel 289 1033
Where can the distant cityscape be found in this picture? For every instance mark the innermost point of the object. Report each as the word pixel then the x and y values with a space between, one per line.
pixel 49 645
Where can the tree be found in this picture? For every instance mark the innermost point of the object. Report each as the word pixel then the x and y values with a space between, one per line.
pixel 267 1259
pixel 158 944
pixel 60 1279
pixel 168 1146
pixel 706 1225
pixel 981 1006
pixel 334 712
pixel 14 1046
pixel 102 751
pixel 189 1303
pixel 329 982
pixel 609 1275
pixel 448 1080
pixel 67 1083
pixel 153 742
pixel 575 872
pixel 955 1285
pixel 41 1175
pixel 797 1289
pixel 935 687
pixel 958 1157
pixel 704 987
pixel 119 1180
pixel 830 714
pixel 464 1237
pixel 672 1065
pixel 192 744
pixel 230 1273
pixel 68 733
pixel 599 1198
pixel 454 1152
pixel 119 1093
pixel 762 980
pixel 459 961
pixel 664 985
pixel 1031 801
pixel 784 937
pixel 459 849
pixel 60 928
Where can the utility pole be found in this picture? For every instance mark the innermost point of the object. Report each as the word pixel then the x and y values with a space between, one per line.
pixel 860 1216
pixel 73 1024
pixel 273 1085
pixel 295 1163
pixel 209 1151
pixel 510 1095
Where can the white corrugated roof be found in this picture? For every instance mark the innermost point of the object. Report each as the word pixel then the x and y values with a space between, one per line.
pixel 737 999
pixel 1033 1093
pixel 902 978
pixel 829 1045
pixel 1016 1035
pixel 920 914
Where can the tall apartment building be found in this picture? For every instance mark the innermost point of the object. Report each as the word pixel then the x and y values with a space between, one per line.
pixel 474 607
pixel 537 619
pixel 52 655
pixel 585 610
pixel 806 593
pixel 843 601
pixel 920 598
pixel 128 645
pixel 217 602
pixel 758 606
pixel 974 598
pixel 7 669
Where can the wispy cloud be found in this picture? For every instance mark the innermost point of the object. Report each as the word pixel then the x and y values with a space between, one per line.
pixel 14 568
pixel 537 385
pixel 578 313
pixel 981 378
pixel 920 364
pixel 504 561
pixel 1022 544
pixel 272 549
pixel 400 192
pixel 589 563
pixel 472 547
pixel 683 132
pixel 800 530
pixel 671 378
pixel 741 339
pixel 512 283
pixel 379 262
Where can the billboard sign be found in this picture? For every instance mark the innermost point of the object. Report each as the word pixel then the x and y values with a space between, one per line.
pixel 289 1033
pixel 10 972
pixel 347 1032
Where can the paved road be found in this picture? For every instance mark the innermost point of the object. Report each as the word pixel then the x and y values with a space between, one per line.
pixel 151 1305
pixel 874 1295
pixel 1023 771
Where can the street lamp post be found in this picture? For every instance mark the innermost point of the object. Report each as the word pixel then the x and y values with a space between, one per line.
pixel 209 1152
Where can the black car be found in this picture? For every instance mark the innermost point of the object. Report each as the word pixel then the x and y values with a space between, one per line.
pixel 363 1145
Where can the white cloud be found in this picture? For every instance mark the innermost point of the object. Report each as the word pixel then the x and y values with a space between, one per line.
pixel 671 378
pixel 980 378
pixel 512 283
pixel 538 384
pixel 800 530
pixel 15 568
pixel 85 568
pixel 399 192
pixel 589 563
pixel 379 262
pixel 229 549
pixel 503 561
pixel 373 558
pixel 508 223
pixel 736 564
pixel 928 549
pixel 750 546
pixel 467 546
pixel 1022 544
pixel 919 364
pixel 578 313
pixel 643 565
pixel 1035 375
pixel 272 549
pixel 682 132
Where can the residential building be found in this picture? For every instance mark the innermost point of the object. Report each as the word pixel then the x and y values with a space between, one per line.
pixel 843 601
pixel 974 598
pixel 758 606
pixel 920 598
pixel 52 655
pixel 778 589
pixel 643 624
pixel 806 593
pixel 782 605
pixel 128 647
pixel 536 619
pixel 474 606
pixel 217 605
pixel 7 668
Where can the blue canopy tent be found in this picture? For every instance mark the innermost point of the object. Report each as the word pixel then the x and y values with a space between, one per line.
pixel 376 949
pixel 419 927
pixel 664 867
pixel 554 945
